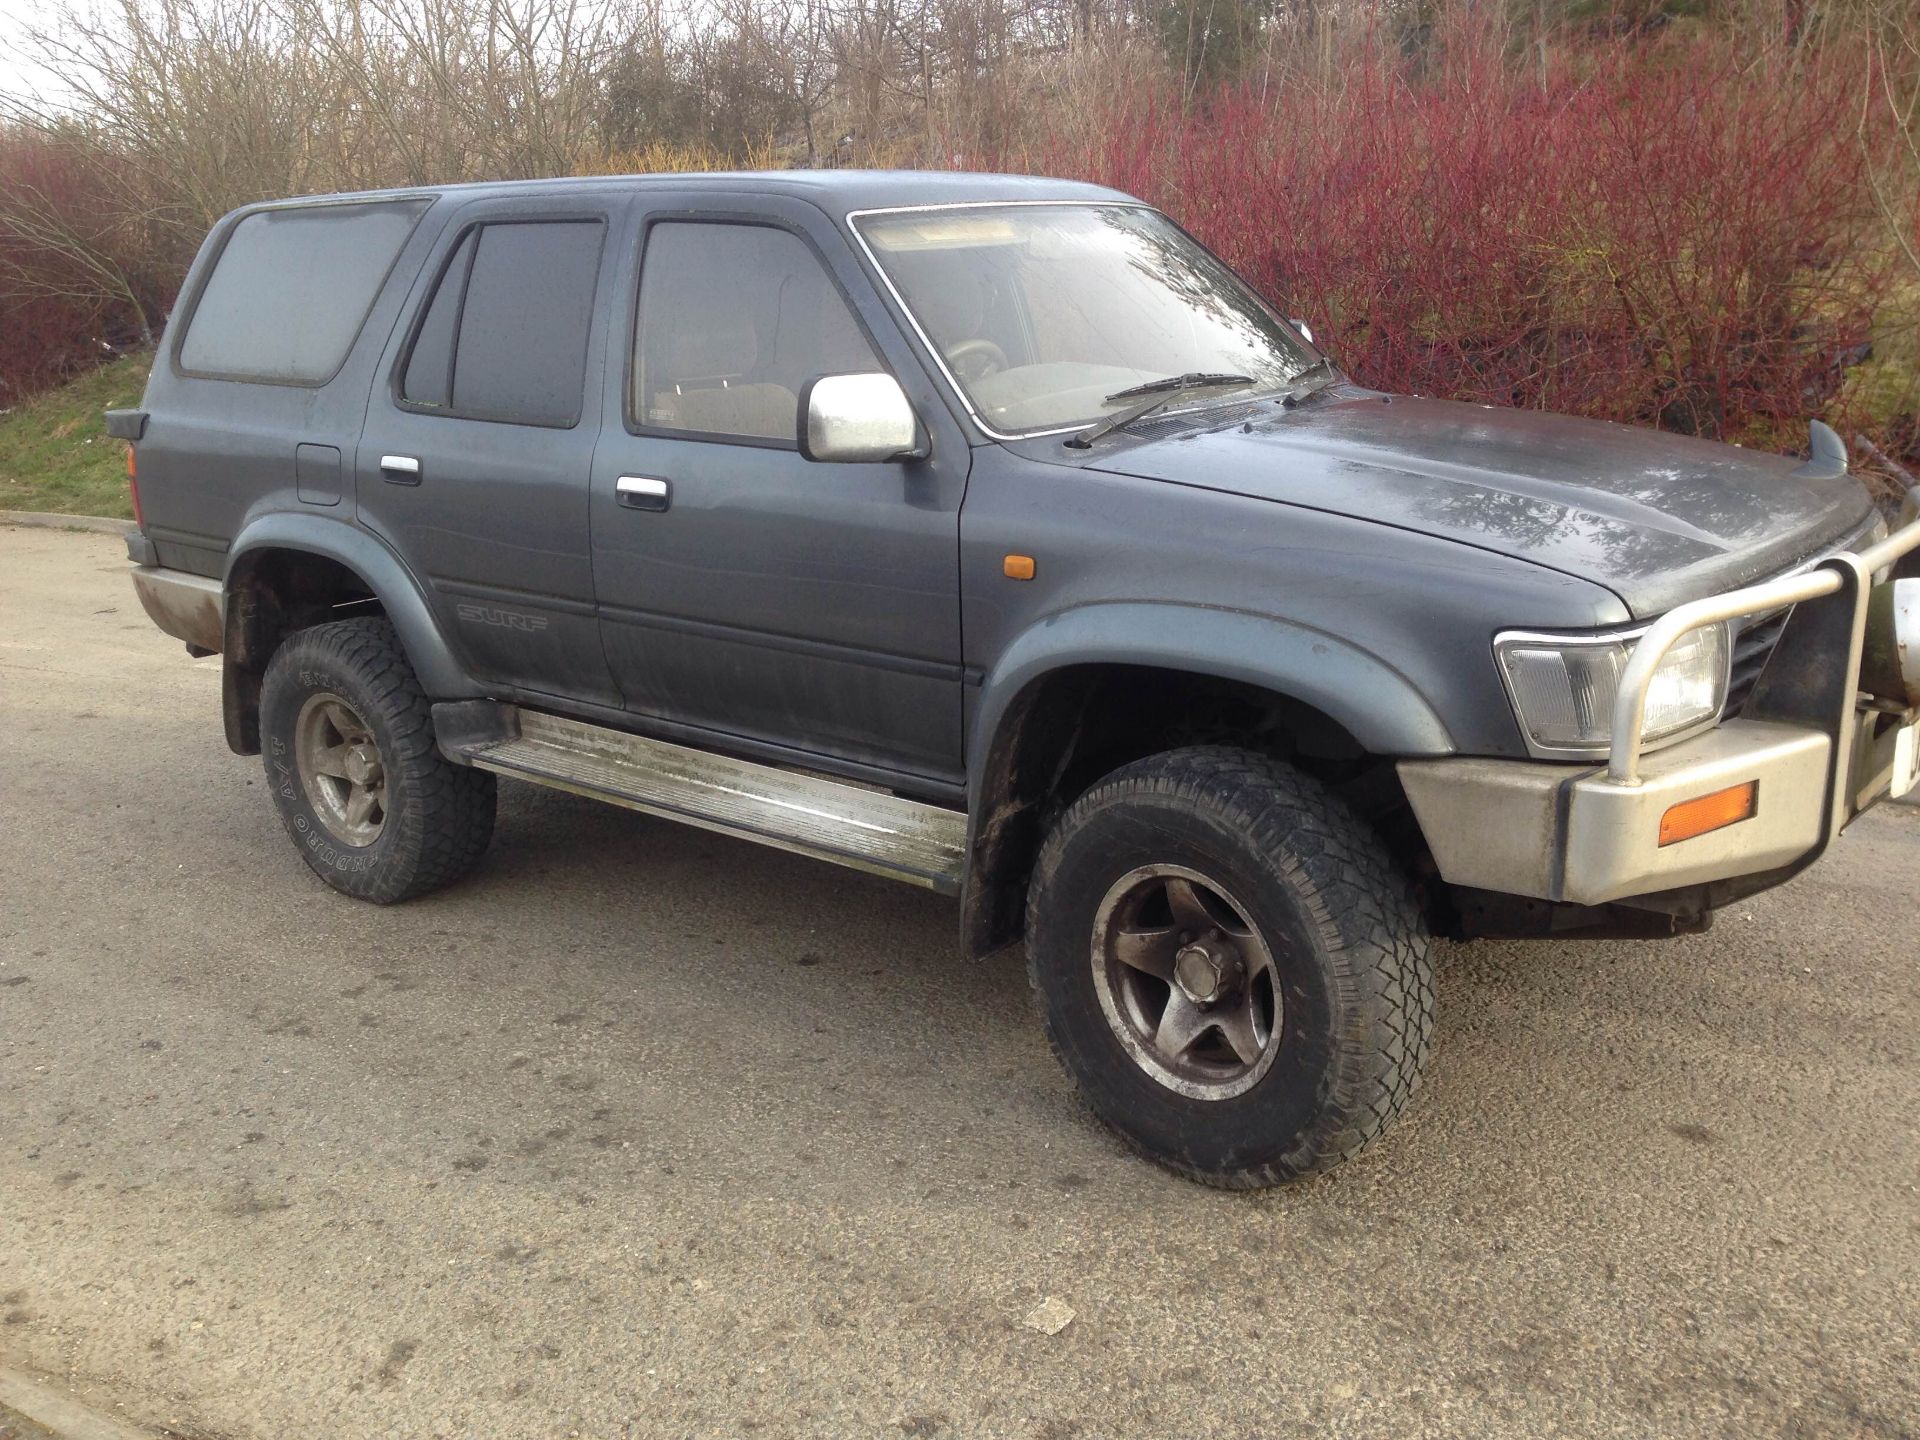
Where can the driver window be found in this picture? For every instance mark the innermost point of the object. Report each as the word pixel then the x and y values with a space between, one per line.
pixel 734 320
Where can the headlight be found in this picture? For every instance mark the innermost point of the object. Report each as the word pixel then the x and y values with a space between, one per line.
pixel 1563 687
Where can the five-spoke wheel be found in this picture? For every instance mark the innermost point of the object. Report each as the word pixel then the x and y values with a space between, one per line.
pixel 1186 981
pixel 346 733
pixel 340 769
pixel 1258 1000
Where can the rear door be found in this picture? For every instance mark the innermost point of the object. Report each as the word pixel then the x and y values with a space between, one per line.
pixel 744 589
pixel 478 449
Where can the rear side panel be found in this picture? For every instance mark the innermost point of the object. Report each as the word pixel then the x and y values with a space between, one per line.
pixel 217 449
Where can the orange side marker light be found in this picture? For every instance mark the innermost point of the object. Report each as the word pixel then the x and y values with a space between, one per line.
pixel 1017 567
pixel 1710 812
pixel 133 489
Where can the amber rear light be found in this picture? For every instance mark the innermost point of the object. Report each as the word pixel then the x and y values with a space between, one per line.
pixel 133 489
pixel 1710 812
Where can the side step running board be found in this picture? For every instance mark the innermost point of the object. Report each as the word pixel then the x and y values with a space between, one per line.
pixel 809 814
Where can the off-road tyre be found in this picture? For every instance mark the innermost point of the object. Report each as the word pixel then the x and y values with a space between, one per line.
pixel 438 816
pixel 1348 948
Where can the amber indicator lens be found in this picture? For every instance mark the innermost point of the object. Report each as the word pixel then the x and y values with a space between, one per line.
pixel 1710 812
pixel 1017 567
pixel 133 489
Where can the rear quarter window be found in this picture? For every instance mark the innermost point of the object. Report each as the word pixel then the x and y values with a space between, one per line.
pixel 290 290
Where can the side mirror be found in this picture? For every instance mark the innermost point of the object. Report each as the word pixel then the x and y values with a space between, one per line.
pixel 858 418
pixel 1297 323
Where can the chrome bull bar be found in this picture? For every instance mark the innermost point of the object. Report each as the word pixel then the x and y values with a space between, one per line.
pixel 1827 578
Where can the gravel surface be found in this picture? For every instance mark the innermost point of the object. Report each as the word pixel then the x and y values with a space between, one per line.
pixel 644 1132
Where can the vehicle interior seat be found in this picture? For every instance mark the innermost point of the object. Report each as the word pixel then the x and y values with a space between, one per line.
pixel 706 385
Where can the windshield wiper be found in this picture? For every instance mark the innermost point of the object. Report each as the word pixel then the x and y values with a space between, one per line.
pixel 1323 363
pixel 1192 380
pixel 1157 393
pixel 1298 388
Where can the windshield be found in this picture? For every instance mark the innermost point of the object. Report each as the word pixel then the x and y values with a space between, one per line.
pixel 1045 313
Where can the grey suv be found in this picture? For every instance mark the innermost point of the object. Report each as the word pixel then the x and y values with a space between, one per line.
pixel 988 533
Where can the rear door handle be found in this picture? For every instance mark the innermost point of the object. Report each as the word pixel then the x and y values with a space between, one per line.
pixel 400 469
pixel 642 492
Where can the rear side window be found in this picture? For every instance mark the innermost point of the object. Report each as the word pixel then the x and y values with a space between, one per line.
pixel 504 336
pixel 291 289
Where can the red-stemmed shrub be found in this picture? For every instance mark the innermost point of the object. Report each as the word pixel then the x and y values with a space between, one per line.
pixel 76 275
pixel 1674 237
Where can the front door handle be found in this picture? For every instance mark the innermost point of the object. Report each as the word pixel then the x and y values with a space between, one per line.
pixel 642 492
pixel 400 469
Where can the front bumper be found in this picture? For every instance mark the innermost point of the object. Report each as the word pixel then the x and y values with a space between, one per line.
pixel 1555 832
pixel 1819 748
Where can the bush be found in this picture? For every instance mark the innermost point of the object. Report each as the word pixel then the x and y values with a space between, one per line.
pixel 78 275
pixel 1677 238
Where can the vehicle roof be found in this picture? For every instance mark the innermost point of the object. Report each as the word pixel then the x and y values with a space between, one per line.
pixel 836 191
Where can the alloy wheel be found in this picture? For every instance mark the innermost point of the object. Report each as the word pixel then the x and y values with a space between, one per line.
pixel 341 769
pixel 1188 984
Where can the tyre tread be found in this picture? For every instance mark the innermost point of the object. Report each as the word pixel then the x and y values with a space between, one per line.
pixel 1362 905
pixel 450 824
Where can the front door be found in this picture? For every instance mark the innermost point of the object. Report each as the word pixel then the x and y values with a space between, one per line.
pixel 475 460
pixel 742 588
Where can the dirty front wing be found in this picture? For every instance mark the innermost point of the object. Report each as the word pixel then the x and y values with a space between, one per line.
pixel 1829 729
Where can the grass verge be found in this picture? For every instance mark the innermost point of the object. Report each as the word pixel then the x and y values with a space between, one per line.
pixel 55 453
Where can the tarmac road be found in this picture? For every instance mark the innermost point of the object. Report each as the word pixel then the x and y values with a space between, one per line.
pixel 644 1132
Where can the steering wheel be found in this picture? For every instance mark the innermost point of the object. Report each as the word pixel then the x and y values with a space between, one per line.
pixel 977 359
